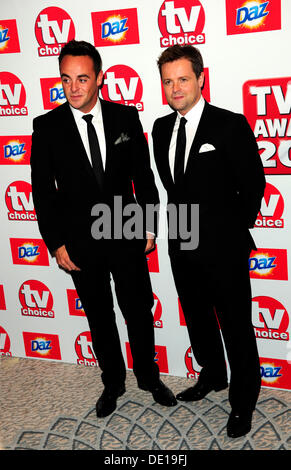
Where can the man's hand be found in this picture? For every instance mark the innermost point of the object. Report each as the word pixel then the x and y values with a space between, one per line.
pixel 64 260
pixel 151 243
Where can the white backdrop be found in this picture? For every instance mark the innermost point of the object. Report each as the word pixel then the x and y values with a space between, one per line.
pixel 246 50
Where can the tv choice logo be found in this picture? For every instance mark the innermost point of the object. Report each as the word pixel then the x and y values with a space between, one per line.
pixel 157 308
pixel 2 298
pixel 267 106
pixel 42 345
pixel 19 202
pixel 52 92
pixel 4 343
pixel 36 300
pixel 270 318
pixel 12 96
pixel 275 373
pixel 74 303
pixel 29 251
pixel 9 40
pixel 252 16
pixel 268 264
pixel 53 28
pixel 15 150
pixel 84 350
pixel 123 85
pixel 193 369
pixel 115 27
pixel 272 208
pixel 161 357
pixel 181 22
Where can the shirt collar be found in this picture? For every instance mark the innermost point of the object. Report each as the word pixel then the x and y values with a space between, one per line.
pixel 195 113
pixel 95 111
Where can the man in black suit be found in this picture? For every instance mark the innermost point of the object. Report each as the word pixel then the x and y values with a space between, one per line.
pixel 72 171
pixel 208 156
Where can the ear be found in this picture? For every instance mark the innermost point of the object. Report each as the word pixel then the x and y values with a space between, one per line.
pixel 201 80
pixel 99 78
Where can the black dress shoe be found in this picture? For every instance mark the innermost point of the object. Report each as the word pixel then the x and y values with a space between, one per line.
pixel 106 404
pixel 239 424
pixel 161 394
pixel 199 391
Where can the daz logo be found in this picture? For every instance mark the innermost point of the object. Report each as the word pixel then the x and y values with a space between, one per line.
pixel 115 27
pixel 12 96
pixel 75 305
pixel 252 16
pixel 52 92
pixel 270 318
pixel 269 264
pixel 123 85
pixel 29 251
pixel 275 373
pixel 9 41
pixel 36 300
pixel 15 150
pixel 18 198
pixel 272 208
pixel 84 349
pixel 42 345
pixel 4 343
pixel 53 28
pixel 181 22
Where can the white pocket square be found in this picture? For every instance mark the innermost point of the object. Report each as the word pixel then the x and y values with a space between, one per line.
pixel 206 148
pixel 123 138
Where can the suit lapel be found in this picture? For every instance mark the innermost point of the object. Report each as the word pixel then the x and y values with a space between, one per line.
pixel 163 148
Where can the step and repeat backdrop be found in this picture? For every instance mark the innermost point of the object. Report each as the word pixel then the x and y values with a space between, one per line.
pixel 246 51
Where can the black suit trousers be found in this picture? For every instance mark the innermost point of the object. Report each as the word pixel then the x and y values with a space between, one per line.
pixel 215 295
pixel 124 265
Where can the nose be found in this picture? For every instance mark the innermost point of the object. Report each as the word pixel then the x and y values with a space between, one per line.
pixel 74 86
pixel 176 86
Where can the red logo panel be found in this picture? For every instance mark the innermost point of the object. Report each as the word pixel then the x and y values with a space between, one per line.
pixel 267 106
pixel 12 96
pixel 268 264
pixel 29 251
pixel 123 85
pixel 53 28
pixel 4 343
pixel 272 208
pixel 42 345
pixel 115 27
pixel 161 358
pixel 75 305
pixel 18 198
pixel 36 300
pixel 270 318
pixel 2 298
pixel 192 367
pixel 252 16
pixel 9 41
pixel 52 92
pixel 84 350
pixel 153 261
pixel 181 22
pixel 15 150
pixel 276 373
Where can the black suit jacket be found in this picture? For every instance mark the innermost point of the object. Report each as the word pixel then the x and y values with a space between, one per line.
pixel 63 183
pixel 228 182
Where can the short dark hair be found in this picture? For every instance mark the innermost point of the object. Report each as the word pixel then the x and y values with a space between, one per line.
pixel 182 52
pixel 77 48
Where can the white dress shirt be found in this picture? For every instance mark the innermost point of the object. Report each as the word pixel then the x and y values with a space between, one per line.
pixel 97 121
pixel 193 117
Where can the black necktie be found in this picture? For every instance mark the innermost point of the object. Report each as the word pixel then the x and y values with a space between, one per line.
pixel 180 152
pixel 97 163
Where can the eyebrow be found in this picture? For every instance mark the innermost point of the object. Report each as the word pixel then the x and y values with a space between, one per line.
pixel 79 76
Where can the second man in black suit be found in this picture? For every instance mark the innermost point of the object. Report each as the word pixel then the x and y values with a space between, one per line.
pixel 208 156
pixel 72 171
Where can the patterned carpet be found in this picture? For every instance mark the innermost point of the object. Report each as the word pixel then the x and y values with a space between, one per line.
pixel 51 406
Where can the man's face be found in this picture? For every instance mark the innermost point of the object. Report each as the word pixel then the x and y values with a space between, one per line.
pixel 80 83
pixel 182 88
